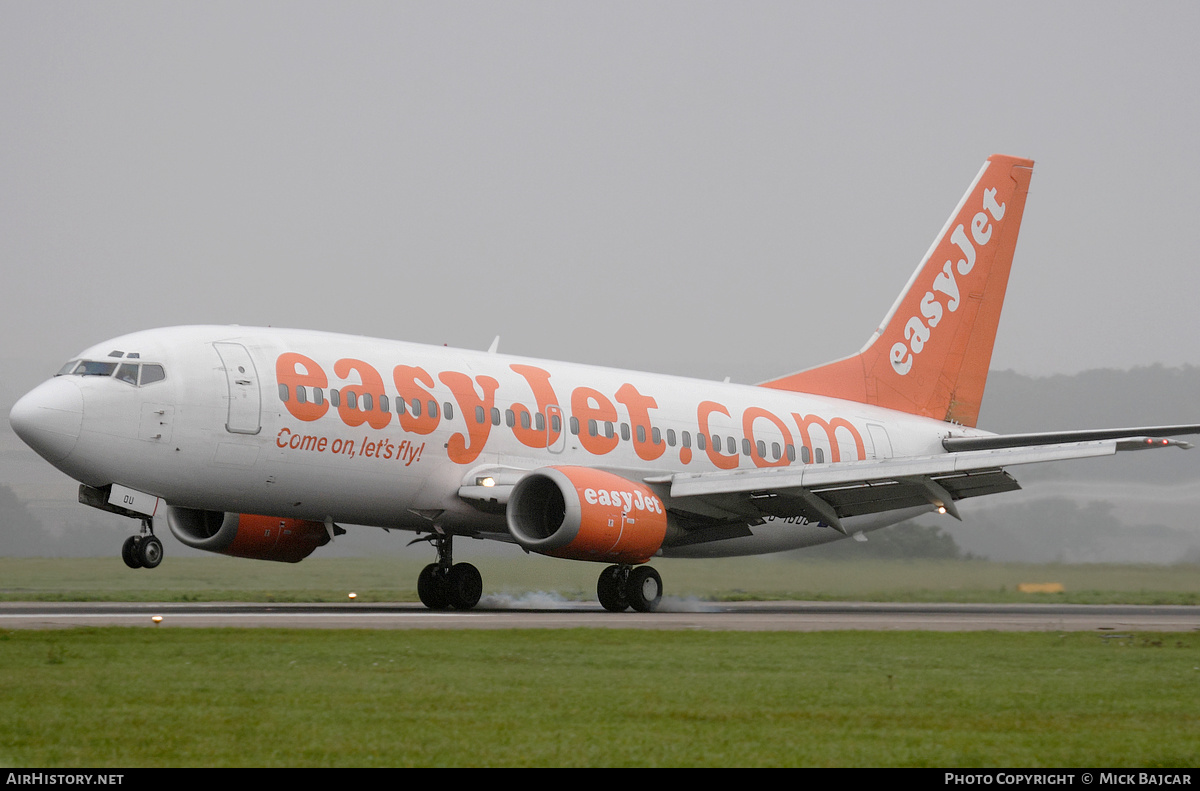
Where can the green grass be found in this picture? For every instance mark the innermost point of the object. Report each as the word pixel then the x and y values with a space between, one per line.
pixel 160 697
pixel 394 579
pixel 189 697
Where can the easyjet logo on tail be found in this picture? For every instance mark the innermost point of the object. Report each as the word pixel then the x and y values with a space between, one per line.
pixel 930 356
pixel 945 292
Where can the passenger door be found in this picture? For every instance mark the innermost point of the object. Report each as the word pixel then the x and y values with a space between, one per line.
pixel 245 399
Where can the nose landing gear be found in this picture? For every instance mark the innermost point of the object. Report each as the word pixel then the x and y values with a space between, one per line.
pixel 143 551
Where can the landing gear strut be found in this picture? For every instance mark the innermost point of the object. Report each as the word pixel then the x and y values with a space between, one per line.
pixel 446 584
pixel 143 551
pixel 622 586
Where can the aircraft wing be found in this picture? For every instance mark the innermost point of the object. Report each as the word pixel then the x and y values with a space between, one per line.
pixel 829 493
pixel 995 441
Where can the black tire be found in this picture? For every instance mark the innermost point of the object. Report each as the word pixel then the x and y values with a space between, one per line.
pixel 464 586
pixel 610 591
pixel 432 588
pixel 643 588
pixel 150 552
pixel 130 553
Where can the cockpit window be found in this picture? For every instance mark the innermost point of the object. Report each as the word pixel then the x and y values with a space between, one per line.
pixel 128 372
pixel 152 373
pixel 95 368
pixel 131 372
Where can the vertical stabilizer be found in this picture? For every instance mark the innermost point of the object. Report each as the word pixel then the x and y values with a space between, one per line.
pixel 931 353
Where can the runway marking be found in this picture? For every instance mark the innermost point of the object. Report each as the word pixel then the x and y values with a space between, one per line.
pixel 742 616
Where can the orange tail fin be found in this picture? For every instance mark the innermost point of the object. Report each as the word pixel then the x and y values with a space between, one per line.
pixel 930 354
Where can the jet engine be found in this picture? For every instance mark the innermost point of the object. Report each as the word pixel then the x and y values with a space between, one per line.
pixel 586 514
pixel 247 535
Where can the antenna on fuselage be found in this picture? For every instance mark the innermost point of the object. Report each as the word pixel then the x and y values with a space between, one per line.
pixel 495 345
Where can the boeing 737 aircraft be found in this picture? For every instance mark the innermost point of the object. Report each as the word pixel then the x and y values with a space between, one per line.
pixel 261 443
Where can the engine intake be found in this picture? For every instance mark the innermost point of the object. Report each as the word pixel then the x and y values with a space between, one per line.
pixel 586 514
pixel 247 535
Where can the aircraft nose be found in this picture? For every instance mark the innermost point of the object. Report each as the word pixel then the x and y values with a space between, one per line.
pixel 48 417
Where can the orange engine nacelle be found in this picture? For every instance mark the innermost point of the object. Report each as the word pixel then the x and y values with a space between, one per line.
pixel 247 535
pixel 585 514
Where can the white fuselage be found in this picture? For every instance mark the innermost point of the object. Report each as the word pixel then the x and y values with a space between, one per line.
pixel 245 420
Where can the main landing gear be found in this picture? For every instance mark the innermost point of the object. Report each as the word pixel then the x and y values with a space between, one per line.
pixel 638 587
pixel 448 585
pixel 143 551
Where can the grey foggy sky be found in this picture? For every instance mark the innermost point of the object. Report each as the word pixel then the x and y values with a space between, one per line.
pixel 693 187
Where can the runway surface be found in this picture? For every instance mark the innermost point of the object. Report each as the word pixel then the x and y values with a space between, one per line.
pixel 499 613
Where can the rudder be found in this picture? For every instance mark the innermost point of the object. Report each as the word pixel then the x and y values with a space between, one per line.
pixel 931 353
